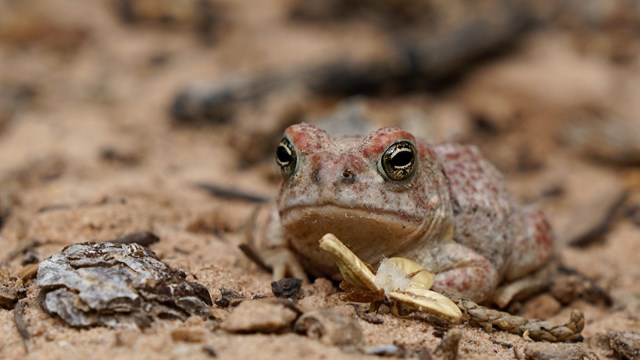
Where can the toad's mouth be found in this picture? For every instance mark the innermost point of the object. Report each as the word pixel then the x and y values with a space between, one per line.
pixel 310 214
pixel 370 233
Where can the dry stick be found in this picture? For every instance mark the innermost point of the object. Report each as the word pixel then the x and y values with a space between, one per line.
pixel 603 226
pixel 21 324
pixel 15 253
pixel 248 247
pixel 536 330
pixel 31 244
pixel 252 254
pixel 143 238
pixel 586 288
pixel 28 272
pixel 223 192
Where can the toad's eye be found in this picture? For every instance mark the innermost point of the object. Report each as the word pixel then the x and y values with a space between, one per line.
pixel 286 157
pixel 398 162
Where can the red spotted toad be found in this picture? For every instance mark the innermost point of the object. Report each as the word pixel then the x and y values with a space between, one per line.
pixel 388 194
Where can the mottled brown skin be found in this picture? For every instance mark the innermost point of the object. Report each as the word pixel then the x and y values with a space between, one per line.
pixel 452 215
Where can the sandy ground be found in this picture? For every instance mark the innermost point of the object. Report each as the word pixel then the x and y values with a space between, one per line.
pixel 77 83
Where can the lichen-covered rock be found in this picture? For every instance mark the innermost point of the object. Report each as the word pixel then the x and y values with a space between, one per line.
pixel 108 284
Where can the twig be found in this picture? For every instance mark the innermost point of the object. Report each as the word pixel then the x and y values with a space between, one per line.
pixel 248 247
pixel 231 194
pixel 252 254
pixel 536 330
pixel 143 238
pixel 31 244
pixel 28 272
pixel 21 325
pixel 603 225
pixel 13 254
pixel 569 284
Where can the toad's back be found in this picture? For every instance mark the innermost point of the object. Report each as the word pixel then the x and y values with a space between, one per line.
pixel 514 238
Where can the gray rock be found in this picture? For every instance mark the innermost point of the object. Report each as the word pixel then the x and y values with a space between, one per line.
pixel 109 284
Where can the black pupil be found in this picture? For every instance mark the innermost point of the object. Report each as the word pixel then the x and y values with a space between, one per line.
pixel 283 154
pixel 401 158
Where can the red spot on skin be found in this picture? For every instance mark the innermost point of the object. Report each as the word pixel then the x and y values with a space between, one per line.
pixel 452 156
pixel 378 141
pixel 469 185
pixel 317 160
pixel 354 163
pixel 543 233
pixel 425 151
pixel 307 138
pixel 466 285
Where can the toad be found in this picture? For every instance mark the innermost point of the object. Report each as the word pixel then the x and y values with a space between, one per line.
pixel 391 195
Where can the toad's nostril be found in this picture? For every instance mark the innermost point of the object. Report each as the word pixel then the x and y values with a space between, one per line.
pixel 348 176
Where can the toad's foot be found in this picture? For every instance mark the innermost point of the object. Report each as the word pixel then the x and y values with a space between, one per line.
pixel 526 287
pixel 283 262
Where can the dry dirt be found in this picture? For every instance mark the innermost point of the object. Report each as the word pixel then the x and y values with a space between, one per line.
pixel 88 152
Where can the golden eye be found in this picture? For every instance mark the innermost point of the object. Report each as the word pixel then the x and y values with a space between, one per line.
pixel 398 162
pixel 286 157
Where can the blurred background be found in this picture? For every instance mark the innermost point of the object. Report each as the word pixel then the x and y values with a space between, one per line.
pixel 112 112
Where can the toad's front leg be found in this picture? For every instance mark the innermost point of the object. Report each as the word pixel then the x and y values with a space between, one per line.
pixel 461 272
pixel 274 248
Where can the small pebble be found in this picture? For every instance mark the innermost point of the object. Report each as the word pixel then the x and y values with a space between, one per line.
pixel 544 351
pixel 385 350
pixel 331 327
pixel 209 351
pixel 258 316
pixel 228 297
pixel 541 307
pixel 287 288
pixel 187 335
